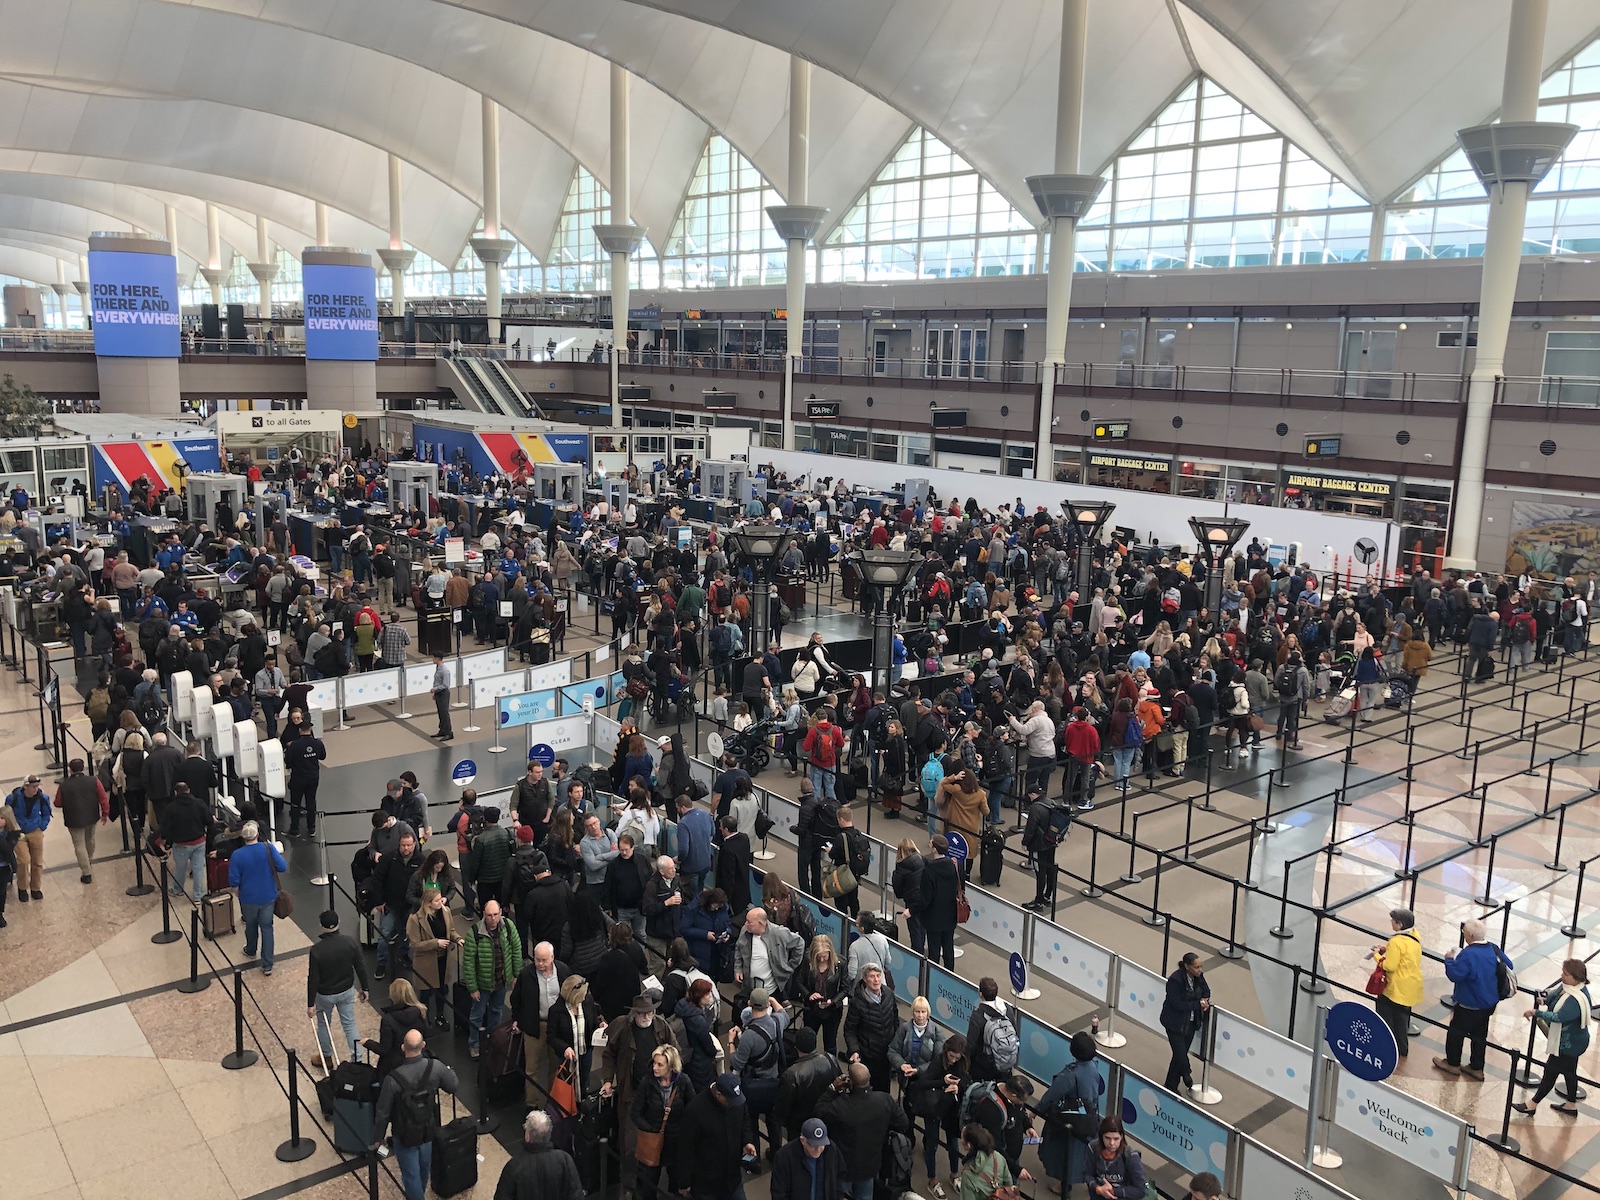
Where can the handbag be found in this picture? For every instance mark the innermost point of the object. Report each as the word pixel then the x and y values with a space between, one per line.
pixel 1257 722
pixel 839 880
pixel 647 1145
pixel 1377 982
pixel 564 1091
pixel 996 1192
pixel 963 908
pixel 283 903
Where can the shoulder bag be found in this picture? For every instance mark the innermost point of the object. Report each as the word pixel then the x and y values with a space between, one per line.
pixel 647 1145
pixel 283 903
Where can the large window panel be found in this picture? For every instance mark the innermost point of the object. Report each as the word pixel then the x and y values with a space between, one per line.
pixel 577 263
pixel 928 215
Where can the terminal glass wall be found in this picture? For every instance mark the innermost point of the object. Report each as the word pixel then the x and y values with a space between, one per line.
pixel 723 237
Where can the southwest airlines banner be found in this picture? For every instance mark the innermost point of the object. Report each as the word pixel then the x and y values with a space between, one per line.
pixel 120 464
pixel 490 453
pixel 133 300
pixel 341 312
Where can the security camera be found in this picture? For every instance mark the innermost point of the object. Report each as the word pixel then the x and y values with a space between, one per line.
pixel 1054 421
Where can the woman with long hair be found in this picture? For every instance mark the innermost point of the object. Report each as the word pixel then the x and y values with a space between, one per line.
pixel 434 939
pixel 906 884
pixel 434 875
pixel 818 986
pixel 660 1105
pixel 560 845
pixel 401 1015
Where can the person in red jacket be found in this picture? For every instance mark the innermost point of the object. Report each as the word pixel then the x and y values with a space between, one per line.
pixel 822 744
pixel 1082 743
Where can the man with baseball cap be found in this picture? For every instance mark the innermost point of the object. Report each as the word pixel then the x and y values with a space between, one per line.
pixel 809 1168
pixel 714 1126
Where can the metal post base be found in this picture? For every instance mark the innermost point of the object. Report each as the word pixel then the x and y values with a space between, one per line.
pixel 1231 951
pixel 1326 1158
pixel 1111 1041
pixel 190 986
pixel 1155 919
pixel 1206 1095
pixel 959 952
pixel 1506 1142
pixel 166 937
pixel 1312 985
pixel 293 1152
pixel 239 1061
pixel 1574 931
pixel 1028 994
pixel 1092 892
pixel 140 889
pixel 1281 932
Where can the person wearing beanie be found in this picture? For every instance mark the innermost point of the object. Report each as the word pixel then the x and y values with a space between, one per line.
pixel 1071 1111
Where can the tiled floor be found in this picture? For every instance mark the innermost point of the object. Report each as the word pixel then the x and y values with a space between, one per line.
pixel 151 1056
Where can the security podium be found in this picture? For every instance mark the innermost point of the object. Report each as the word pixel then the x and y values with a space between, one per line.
pixel 413 485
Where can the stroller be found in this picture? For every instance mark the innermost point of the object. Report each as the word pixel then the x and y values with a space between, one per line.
pixel 751 747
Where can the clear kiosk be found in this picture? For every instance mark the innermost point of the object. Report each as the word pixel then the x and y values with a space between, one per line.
pixel 412 485
pixel 724 480
pixel 204 490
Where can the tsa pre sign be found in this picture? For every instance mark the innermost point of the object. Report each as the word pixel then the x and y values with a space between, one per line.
pixel 341 312
pixel 133 300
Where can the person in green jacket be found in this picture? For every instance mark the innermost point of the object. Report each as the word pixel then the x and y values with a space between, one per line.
pixel 691 602
pixel 490 961
pixel 1567 1010
pixel 986 1168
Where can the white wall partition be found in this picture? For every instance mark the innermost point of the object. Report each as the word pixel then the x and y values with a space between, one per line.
pixel 1142 995
pixel 371 687
pixel 486 689
pixel 325 694
pixel 419 679
pixel 995 921
pixel 1275 1064
pixel 1264 1175
pixel 485 662
pixel 550 675
pixel 1425 1136
pixel 1077 962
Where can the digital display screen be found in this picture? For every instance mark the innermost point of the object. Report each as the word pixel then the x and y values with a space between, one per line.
pixel 341 312
pixel 133 301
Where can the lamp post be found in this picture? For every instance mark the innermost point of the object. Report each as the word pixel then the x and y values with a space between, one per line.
pixel 886 572
pixel 761 546
pixel 1217 537
pixel 1090 516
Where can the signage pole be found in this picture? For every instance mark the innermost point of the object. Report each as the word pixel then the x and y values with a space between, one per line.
pixel 1208 1050
pixel 497 748
pixel 1319 1029
pixel 1109 1037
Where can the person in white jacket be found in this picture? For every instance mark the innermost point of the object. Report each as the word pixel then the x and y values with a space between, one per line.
pixel 1040 732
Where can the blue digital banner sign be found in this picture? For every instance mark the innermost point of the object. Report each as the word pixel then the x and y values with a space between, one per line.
pixel 133 300
pixel 341 311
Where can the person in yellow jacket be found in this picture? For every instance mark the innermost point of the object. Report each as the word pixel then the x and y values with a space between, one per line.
pixel 1401 958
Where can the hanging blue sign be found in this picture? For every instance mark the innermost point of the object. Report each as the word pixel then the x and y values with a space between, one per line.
pixel 1019 973
pixel 543 754
pixel 958 846
pixel 133 300
pixel 1361 1042
pixel 463 773
pixel 341 312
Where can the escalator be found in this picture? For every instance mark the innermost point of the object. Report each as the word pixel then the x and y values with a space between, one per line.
pixel 467 382
pixel 509 390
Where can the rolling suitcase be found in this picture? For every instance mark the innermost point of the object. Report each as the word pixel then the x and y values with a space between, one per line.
pixel 349 1094
pixel 216 874
pixel 216 914
pixel 455 1155
pixel 991 857
pixel 503 1061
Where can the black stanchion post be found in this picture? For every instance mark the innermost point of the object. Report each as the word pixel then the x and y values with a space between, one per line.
pixel 194 983
pixel 1503 1139
pixel 1574 930
pixel 140 886
pixel 1526 1078
pixel 240 1058
pixel 1133 849
pixel 1403 871
pixel 1505 922
pixel 372 1175
pixel 1466 739
pixel 297 1148
pixel 1555 864
pixel 1154 916
pixel 1549 782
pixel 1233 949
pixel 168 934
pixel 1094 889
pixel 1282 930
pixel 1188 833
pixel 1488 875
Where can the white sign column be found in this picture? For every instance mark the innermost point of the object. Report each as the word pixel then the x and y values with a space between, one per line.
pixel 1510 157
pixel 396 257
pixel 797 223
pixel 621 237
pixel 1063 198
pixel 491 248
pixel 265 270
pixel 321 220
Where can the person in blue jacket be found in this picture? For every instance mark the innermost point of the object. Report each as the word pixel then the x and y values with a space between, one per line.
pixel 695 831
pixel 1475 970
pixel 1568 1011
pixel 250 870
pixel 31 806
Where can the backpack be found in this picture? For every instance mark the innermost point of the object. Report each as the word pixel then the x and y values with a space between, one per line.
pixel 1171 600
pixel 1519 632
pixel 152 712
pixel 976 1094
pixel 1000 1042
pixel 1060 821
pixel 1505 979
pixel 526 875
pixel 931 666
pixel 1569 611
pixel 1135 732
pixel 1286 682
pixel 1238 700
pixel 774 1054
pixel 98 705
pixel 414 1115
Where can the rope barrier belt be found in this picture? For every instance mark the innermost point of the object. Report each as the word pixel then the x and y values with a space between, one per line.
pixel 1082 849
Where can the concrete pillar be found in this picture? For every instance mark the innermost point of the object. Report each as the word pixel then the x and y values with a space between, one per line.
pixel 265 270
pixel 81 285
pixel 491 248
pixel 797 223
pixel 1510 157
pixel 1063 198
pixel 321 218
pixel 212 270
pixel 621 237
pixel 141 377
pixel 1380 219
pixel 172 228
pixel 396 258
pixel 60 288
